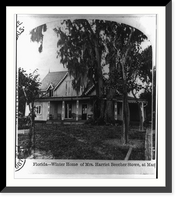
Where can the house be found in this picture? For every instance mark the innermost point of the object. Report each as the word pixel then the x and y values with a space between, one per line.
pixel 59 101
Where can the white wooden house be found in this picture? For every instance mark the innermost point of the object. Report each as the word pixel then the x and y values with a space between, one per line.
pixel 59 101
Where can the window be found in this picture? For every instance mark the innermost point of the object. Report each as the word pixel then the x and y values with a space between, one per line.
pixel 50 92
pixel 68 110
pixel 39 109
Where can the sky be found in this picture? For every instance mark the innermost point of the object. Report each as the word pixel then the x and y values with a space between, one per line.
pixel 28 56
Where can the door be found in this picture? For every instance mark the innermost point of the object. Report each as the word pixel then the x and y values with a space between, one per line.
pixel 68 110
pixel 84 111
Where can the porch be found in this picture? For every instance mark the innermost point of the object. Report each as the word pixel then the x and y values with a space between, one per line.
pixel 65 122
pixel 79 109
pixel 70 110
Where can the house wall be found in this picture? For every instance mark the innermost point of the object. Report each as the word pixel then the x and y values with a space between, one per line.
pixel 59 108
pixel 93 93
pixel 65 88
pixel 43 116
pixel 53 109
pixel 56 109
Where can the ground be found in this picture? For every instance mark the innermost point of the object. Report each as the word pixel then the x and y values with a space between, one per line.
pixel 84 142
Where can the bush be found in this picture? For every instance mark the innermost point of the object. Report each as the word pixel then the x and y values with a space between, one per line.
pixel 23 123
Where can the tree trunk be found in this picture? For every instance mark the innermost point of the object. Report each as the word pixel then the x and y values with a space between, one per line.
pixel 140 112
pixel 32 129
pixel 122 63
pixel 128 115
pixel 109 111
pixel 140 117
pixel 110 93
pixel 101 98
pixel 99 104
pixel 125 119
pixel 125 106
pixel 99 85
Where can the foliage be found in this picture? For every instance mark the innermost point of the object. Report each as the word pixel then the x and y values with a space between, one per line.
pixel 141 78
pixel 37 35
pixel 28 83
pixel 76 50
pixel 77 44
pixel 23 122
pixel 124 46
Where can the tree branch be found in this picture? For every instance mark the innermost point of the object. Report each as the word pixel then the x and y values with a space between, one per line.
pixel 124 57
pixel 89 27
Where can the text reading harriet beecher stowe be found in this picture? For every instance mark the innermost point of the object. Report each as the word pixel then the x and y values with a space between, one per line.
pixel 96 164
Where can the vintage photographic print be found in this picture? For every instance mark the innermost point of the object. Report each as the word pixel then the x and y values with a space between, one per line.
pixel 86 96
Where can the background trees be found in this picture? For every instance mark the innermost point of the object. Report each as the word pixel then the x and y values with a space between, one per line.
pixel 125 43
pixel 28 90
pixel 30 84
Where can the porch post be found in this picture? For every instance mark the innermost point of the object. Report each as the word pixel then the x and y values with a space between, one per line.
pixel 77 107
pixel 115 110
pixel 48 110
pixel 63 110
pixel 143 112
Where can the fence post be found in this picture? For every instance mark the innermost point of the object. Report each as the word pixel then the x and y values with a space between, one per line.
pixel 148 144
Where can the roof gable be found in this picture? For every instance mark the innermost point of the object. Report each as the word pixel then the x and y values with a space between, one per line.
pixel 52 78
pixel 55 79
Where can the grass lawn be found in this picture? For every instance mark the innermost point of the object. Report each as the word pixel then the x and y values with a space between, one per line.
pixel 85 142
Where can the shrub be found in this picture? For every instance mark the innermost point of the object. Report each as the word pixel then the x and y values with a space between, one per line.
pixel 23 122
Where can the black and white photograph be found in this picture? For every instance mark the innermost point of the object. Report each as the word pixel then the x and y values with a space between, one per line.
pixel 86 95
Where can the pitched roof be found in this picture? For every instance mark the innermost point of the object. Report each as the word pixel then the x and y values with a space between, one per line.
pixel 52 78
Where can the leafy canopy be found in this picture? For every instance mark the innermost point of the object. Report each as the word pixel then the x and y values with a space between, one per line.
pixel 77 44
pixel 30 84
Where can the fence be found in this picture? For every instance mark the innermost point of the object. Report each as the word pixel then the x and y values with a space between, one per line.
pixel 149 144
